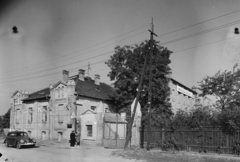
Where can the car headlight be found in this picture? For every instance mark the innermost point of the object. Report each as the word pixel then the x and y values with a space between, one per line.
pixel 21 141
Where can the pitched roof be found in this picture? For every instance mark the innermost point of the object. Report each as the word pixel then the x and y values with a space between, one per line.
pixel 88 88
pixel 14 93
pixel 176 82
pixel 39 94
pixel 85 88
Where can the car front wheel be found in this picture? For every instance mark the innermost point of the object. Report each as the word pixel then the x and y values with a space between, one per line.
pixel 18 145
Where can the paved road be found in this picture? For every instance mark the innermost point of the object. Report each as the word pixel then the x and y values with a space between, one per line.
pixel 60 152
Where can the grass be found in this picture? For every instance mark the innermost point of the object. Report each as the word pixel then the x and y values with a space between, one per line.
pixel 160 156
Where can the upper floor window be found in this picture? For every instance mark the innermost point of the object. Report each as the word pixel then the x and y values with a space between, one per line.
pixel 18 116
pixel 30 115
pixel 44 114
pixel 60 113
pixel 106 109
pixel 60 92
pixel 93 108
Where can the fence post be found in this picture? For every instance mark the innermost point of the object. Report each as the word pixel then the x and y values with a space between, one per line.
pixel 163 135
pixel 116 131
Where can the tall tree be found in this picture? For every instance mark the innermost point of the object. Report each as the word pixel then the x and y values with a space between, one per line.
pixel 126 66
pixel 224 86
pixel 6 119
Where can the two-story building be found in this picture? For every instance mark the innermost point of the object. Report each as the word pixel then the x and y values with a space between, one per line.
pixel 75 103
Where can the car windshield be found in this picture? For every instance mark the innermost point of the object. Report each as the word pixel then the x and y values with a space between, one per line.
pixel 22 134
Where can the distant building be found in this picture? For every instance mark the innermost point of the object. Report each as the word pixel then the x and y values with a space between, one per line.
pixel 181 97
pixel 75 103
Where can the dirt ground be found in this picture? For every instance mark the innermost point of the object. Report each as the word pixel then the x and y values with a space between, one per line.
pixel 161 156
pixel 52 151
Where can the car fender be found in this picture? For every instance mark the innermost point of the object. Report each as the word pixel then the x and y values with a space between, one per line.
pixel 17 141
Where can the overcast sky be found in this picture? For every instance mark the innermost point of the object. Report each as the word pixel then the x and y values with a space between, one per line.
pixel 68 34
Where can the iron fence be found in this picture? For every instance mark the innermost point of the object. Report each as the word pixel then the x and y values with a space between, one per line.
pixel 208 139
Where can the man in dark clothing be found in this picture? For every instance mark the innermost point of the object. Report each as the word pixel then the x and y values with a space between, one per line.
pixel 72 139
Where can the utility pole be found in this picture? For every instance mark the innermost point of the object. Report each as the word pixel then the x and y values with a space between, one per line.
pixel 129 130
pixel 150 84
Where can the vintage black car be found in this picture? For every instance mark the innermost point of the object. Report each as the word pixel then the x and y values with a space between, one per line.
pixel 19 139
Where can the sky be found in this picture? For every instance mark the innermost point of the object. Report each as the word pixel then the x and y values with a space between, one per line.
pixel 56 35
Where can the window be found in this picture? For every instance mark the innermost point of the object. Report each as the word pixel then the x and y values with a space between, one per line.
pixel 44 114
pixel 69 125
pixel 12 134
pixel 89 130
pixel 62 92
pixel 17 116
pixel 30 115
pixel 106 110
pixel 22 134
pixel 93 108
pixel 60 112
pixel 58 91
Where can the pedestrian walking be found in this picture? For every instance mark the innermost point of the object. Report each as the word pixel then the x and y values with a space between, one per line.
pixel 72 139
pixel 78 136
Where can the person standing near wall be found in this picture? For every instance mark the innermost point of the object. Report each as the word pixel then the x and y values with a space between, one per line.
pixel 78 135
pixel 72 139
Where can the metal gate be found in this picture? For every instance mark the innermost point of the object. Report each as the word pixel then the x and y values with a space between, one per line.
pixel 114 131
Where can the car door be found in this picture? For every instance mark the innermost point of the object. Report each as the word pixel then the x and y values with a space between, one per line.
pixel 9 138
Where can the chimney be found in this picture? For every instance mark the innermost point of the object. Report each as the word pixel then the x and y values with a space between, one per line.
pixel 81 74
pixel 65 75
pixel 97 79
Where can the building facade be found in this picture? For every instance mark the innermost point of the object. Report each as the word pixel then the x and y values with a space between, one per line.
pixel 75 103
pixel 181 97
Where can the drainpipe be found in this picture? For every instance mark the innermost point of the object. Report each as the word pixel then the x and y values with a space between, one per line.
pixel 37 118
pixel 48 117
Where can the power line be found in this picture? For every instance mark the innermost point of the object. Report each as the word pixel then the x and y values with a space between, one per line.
pixel 202 32
pixel 145 26
pixel 47 74
pixel 175 40
pixel 203 44
pixel 70 63
pixel 67 55
pixel 173 52
pixel 47 81
pixel 199 23
pixel 62 65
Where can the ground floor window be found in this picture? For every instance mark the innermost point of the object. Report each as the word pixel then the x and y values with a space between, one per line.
pixel 89 130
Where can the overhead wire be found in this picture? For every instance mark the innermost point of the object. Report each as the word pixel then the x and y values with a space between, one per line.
pixel 106 53
pixel 69 54
pixel 178 39
pixel 203 44
pixel 200 33
pixel 199 23
pixel 158 36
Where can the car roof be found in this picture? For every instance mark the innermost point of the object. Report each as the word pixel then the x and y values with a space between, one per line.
pixel 17 132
